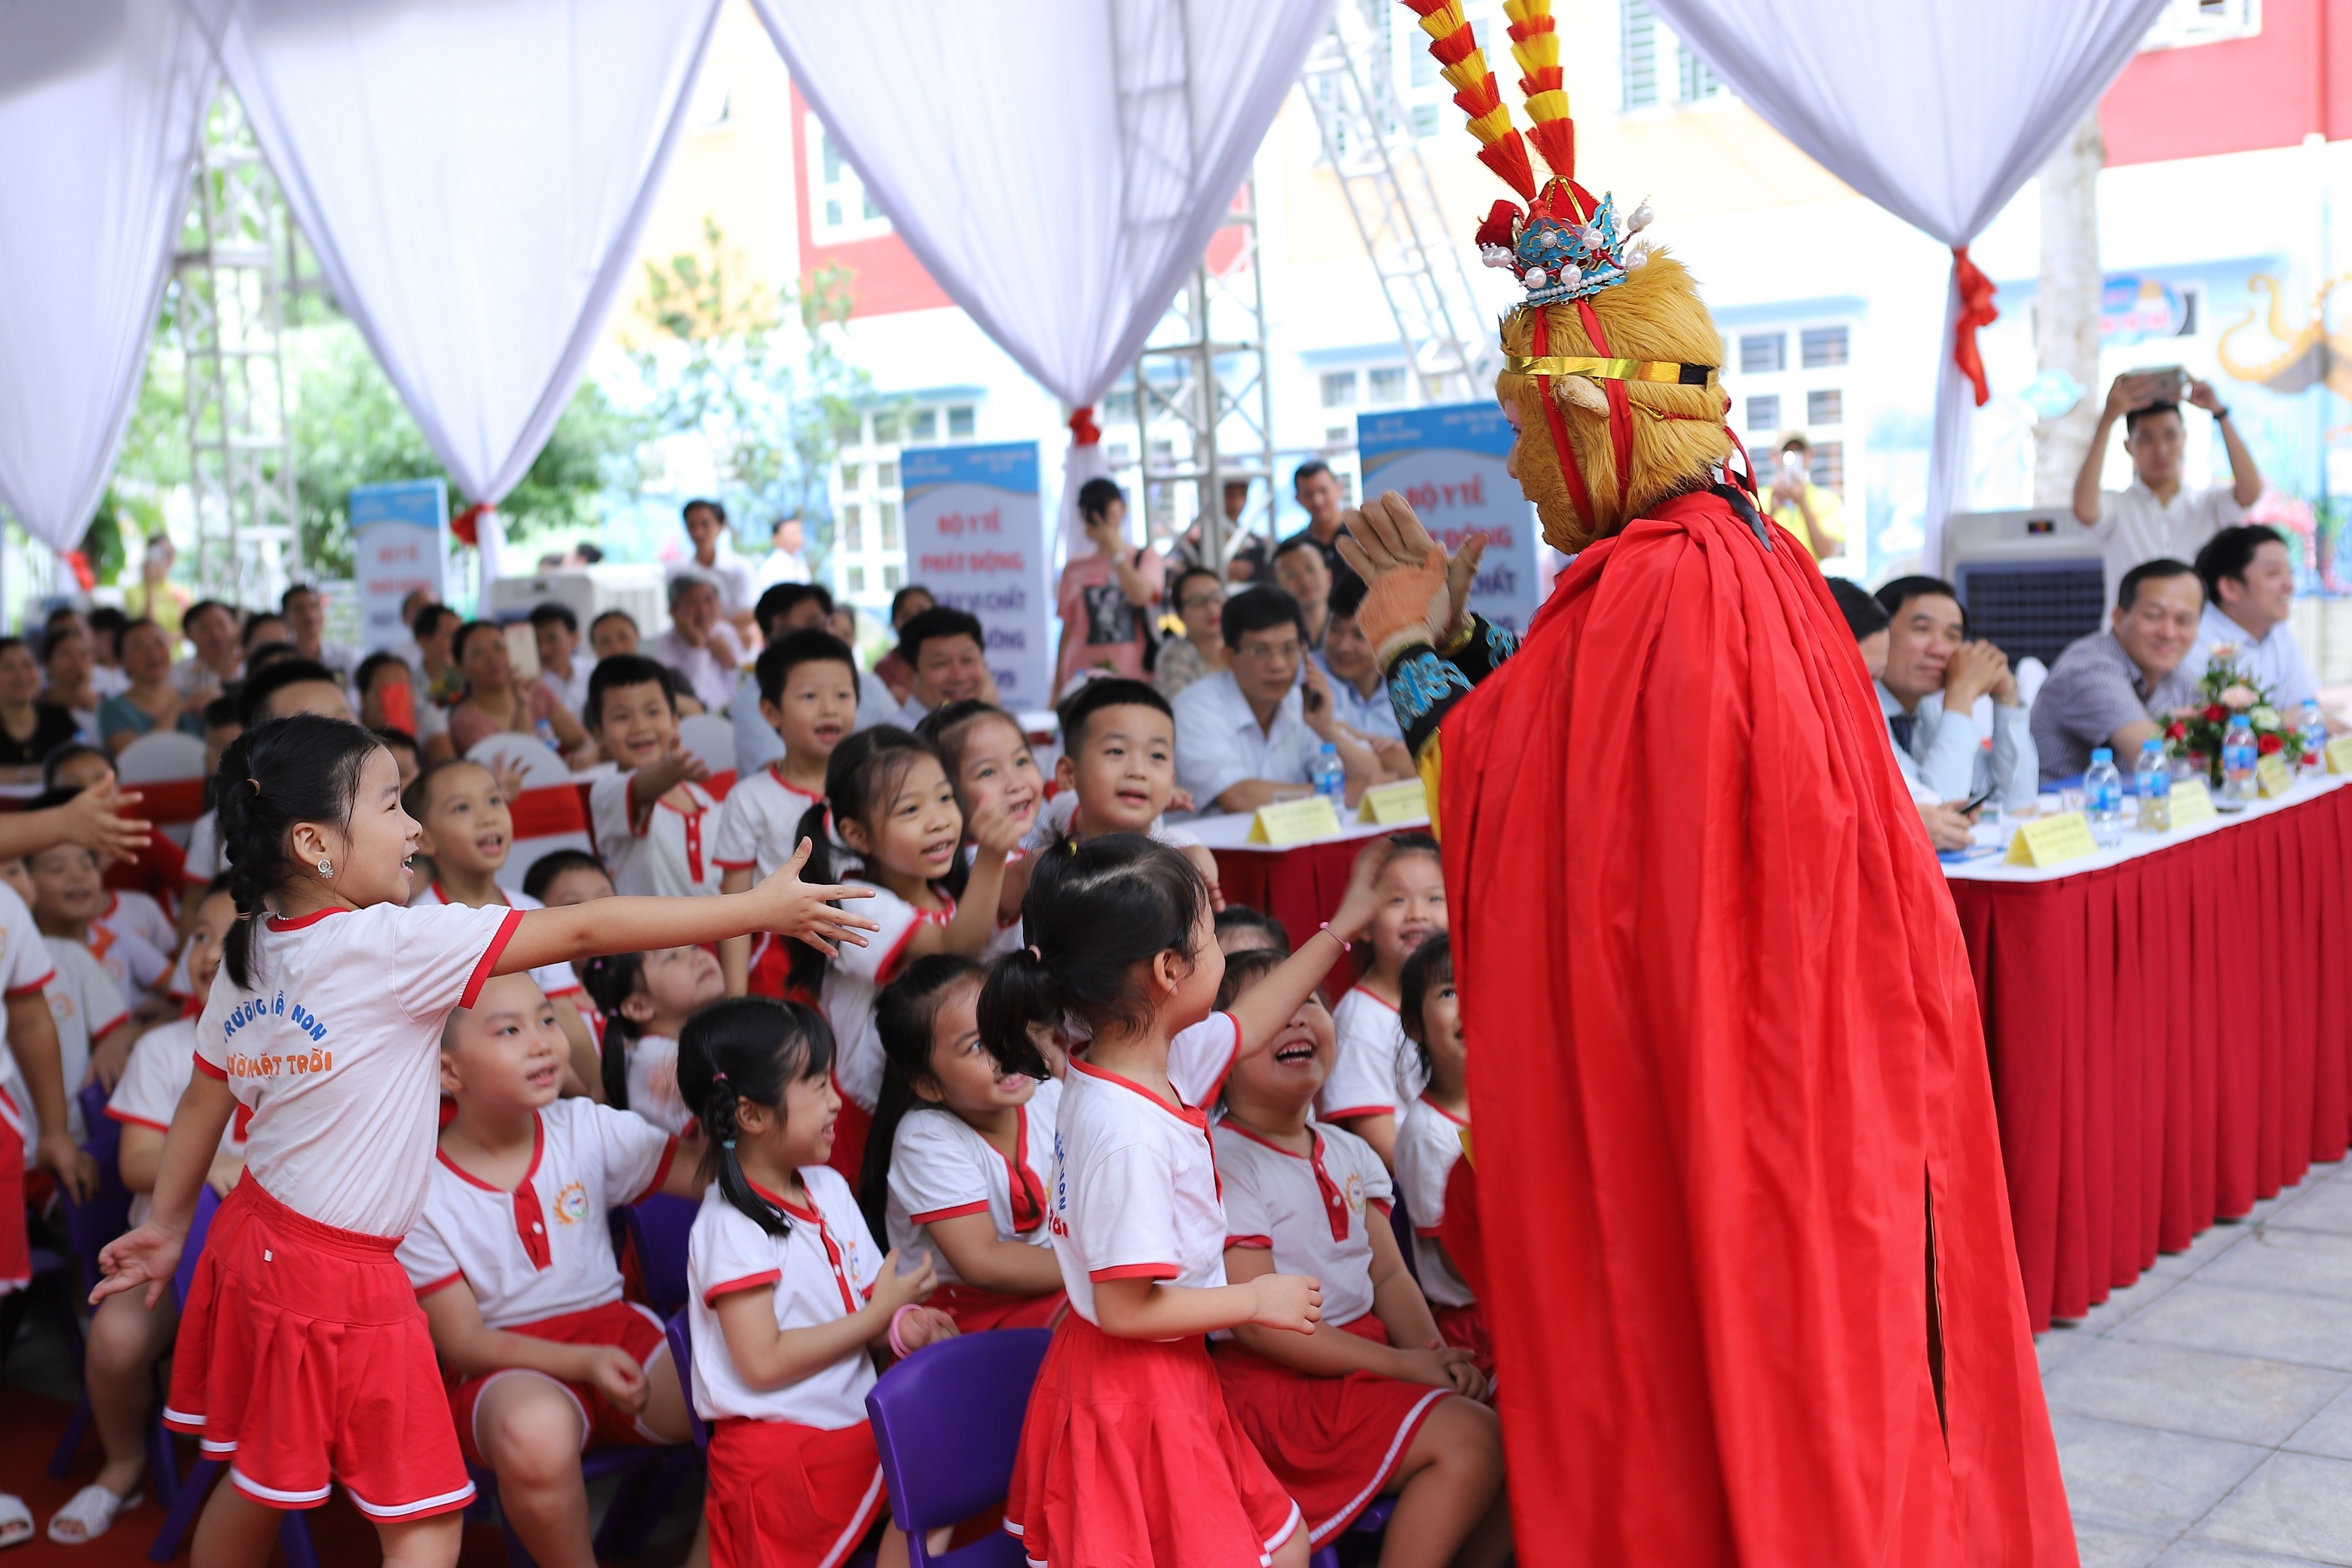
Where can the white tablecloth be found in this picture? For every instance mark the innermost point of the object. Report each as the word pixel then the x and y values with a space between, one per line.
pixel 1990 868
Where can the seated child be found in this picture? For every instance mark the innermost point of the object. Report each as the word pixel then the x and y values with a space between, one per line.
pixel 1428 1143
pixel 1379 1072
pixel 560 879
pixel 961 1149
pixel 1117 771
pixel 406 755
pixel 645 999
pixel 991 767
pixel 1369 1404
pixel 203 859
pixel 653 821
pixel 70 896
pixel 890 823
pixel 126 1337
pixel 465 827
pixel 808 695
pixel 94 1030
pixel 512 1261
pixel 150 880
pixel 790 1299
pixel 1241 929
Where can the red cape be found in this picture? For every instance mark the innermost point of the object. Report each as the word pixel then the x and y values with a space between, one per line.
pixel 1725 1056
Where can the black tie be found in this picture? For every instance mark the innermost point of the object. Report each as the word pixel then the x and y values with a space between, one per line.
pixel 1899 724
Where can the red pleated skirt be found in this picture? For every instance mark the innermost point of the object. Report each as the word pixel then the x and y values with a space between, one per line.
pixel 791 1497
pixel 1130 1459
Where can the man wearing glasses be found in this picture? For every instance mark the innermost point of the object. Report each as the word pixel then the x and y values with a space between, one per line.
pixel 1246 736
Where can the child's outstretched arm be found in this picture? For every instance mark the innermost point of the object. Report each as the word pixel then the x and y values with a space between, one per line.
pixel 89 819
pixel 1266 1007
pixel 150 1254
pixel 783 904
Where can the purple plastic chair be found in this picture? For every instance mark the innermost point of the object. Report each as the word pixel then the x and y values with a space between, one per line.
pixel 658 1229
pixel 681 1354
pixel 947 1421
pixel 196 1485
pixel 1371 1522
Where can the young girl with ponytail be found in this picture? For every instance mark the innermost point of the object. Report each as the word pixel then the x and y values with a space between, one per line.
pixel 1128 1454
pixel 645 999
pixel 301 1349
pixel 889 824
pixel 962 1144
pixel 789 1296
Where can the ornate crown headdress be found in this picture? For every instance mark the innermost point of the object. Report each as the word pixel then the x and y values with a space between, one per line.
pixel 1565 246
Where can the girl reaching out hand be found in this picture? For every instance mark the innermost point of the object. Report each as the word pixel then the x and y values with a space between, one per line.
pixel 328 1030
pixel 1128 1412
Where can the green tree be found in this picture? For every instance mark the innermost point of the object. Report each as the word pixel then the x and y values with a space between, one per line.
pixel 769 402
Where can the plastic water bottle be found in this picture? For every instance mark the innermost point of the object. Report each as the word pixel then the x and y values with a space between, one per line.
pixel 2314 739
pixel 2103 799
pixel 1329 777
pixel 2152 781
pixel 2238 758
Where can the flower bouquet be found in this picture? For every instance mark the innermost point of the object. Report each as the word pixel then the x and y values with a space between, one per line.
pixel 2223 692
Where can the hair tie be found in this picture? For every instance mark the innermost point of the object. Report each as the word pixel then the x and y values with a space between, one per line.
pixel 255 783
pixel 716 1076
pixel 727 1142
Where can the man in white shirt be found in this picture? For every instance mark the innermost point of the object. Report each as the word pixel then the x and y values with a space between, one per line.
pixel 305 614
pixel 948 650
pixel 1360 695
pixel 1928 692
pixel 784 561
pixel 1247 735
pixel 699 645
pixel 2155 517
pixel 716 560
pixel 2249 595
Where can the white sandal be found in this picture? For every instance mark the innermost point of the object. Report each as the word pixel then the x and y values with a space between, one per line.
pixel 92 1511
pixel 16 1522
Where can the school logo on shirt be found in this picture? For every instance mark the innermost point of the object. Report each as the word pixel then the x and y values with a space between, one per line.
pixel 1355 1191
pixel 61 1006
pixel 571 1205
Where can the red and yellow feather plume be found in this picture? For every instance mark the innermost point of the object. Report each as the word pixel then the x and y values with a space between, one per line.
pixel 1455 48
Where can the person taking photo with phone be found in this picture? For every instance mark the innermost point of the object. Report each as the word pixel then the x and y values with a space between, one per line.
pixel 1814 514
pixel 2156 515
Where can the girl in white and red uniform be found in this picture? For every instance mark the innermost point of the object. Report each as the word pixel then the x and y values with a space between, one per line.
pixel 991 767
pixel 1429 1145
pixel 302 1355
pixel 513 1260
pixel 889 822
pixel 1373 1403
pixel 466 830
pixel 790 1296
pixel 1378 1072
pixel 126 1337
pixel 1128 1455
pixel 961 1147
pixel 808 695
pixel 645 999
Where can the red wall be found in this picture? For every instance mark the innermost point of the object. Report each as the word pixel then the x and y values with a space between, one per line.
pixel 884 274
pixel 2269 91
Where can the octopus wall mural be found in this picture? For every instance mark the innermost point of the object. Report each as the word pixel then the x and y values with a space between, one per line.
pixel 2300 356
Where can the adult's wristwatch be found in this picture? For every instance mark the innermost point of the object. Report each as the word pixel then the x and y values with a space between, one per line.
pixel 2221 414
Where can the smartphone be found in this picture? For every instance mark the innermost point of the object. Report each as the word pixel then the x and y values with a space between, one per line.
pixel 2166 382
pixel 1978 802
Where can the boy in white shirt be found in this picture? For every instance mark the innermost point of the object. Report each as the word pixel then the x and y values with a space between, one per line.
pixel 654 821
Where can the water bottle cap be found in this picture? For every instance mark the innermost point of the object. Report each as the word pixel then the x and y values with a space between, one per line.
pixel 1330 750
pixel 2241 722
pixel 2151 744
pixel 2102 754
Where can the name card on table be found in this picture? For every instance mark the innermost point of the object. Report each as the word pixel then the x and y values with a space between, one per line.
pixel 2339 754
pixel 1289 822
pixel 1405 800
pixel 2271 777
pixel 2051 840
pixel 2192 803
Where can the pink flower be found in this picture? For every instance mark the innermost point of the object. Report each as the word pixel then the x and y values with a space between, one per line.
pixel 2239 696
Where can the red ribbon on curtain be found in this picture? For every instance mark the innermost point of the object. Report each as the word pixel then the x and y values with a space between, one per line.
pixel 466 524
pixel 1084 432
pixel 1976 311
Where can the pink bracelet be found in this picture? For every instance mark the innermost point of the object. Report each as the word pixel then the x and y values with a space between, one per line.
pixel 1326 929
pixel 898 1346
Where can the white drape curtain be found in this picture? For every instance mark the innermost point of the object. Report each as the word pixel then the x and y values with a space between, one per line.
pixel 1939 112
pixel 100 105
pixel 474 177
pixel 1058 165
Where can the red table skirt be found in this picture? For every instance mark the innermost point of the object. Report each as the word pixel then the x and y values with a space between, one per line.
pixel 2169 1041
pixel 1298 886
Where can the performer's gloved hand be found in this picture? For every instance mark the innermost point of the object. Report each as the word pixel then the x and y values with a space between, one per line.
pixel 1407 597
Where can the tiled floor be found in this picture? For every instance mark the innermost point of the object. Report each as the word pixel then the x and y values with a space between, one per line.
pixel 2204 1415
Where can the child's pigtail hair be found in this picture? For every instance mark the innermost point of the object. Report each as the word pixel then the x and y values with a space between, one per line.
pixel 611 980
pixel 906 1015
pixel 747 1048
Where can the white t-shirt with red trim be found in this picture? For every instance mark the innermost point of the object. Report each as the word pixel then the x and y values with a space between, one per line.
pixel 85 1006
pixel 24 970
pixel 132 912
pixel 545 1248
pixel 148 1093
pixel 652 1061
pixel 852 978
pixel 1134 1192
pixel 670 854
pixel 1377 1068
pixel 131 963
pixel 759 823
pixel 822 1268
pixel 553 979
pixel 1429 1140
pixel 1057 819
pixel 336 1048
pixel 1311 1211
pixel 941 1168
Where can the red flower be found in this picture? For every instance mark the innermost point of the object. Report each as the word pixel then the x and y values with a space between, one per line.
pixel 2215 713
pixel 2270 743
pixel 2175 730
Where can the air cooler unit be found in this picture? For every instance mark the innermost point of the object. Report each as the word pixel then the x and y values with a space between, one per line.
pixel 2031 580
